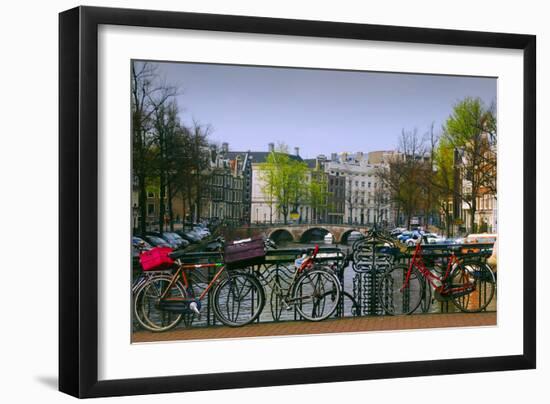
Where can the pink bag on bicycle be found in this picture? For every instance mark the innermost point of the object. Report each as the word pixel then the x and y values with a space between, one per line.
pixel 156 259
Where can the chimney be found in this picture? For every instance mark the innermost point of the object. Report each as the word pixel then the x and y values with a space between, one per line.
pixel 297 151
pixel 225 147
pixel 320 161
pixel 271 147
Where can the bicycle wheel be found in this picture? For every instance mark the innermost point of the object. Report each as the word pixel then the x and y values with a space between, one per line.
pixel 276 300
pixel 478 276
pixel 238 299
pixel 279 281
pixel 316 294
pixel 393 299
pixel 348 304
pixel 146 304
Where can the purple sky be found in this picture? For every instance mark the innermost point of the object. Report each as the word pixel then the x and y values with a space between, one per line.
pixel 320 111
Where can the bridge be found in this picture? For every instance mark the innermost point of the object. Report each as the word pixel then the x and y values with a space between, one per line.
pixel 303 232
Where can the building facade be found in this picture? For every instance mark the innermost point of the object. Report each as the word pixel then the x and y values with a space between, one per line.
pixel 366 198
pixel 224 196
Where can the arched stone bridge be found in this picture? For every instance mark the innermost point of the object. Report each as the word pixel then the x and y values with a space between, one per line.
pixel 302 232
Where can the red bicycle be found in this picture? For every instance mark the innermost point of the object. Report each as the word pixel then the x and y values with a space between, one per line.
pixel 466 281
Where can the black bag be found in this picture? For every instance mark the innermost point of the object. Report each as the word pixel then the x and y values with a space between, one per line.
pixel 243 253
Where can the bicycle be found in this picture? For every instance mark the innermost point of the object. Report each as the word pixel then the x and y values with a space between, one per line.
pixel 164 300
pixel 468 283
pixel 313 290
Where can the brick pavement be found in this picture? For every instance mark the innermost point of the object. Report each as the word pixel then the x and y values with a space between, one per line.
pixel 350 324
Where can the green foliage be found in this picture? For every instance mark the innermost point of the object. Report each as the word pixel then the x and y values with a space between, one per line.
pixel 285 181
pixel 471 130
pixel 444 167
pixel 318 195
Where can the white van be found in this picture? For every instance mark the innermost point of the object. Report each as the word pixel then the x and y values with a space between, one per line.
pixel 484 238
pixel 480 238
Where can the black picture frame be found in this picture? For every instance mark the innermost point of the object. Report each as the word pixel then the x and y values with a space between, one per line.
pixel 78 200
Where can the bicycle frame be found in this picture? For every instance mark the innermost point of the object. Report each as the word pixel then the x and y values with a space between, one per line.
pixel 181 271
pixel 418 263
pixel 306 264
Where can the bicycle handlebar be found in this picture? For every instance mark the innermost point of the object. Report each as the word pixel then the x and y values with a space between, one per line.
pixel 315 251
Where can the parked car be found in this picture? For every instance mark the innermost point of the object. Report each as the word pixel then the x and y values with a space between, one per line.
pixel 195 233
pixel 397 231
pixel 411 241
pixel 433 238
pixel 138 245
pixel 175 239
pixel 189 236
pixel 480 238
pixel 470 240
pixel 407 234
pixel 157 241
pixel 201 231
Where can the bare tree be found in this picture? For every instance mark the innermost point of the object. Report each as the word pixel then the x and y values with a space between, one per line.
pixel 200 163
pixel 148 94
pixel 380 199
pixel 405 174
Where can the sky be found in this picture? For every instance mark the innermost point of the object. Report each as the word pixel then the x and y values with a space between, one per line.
pixel 319 111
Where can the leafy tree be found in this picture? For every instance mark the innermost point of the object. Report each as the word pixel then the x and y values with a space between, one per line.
pixel 471 130
pixel 284 181
pixel 318 193
pixel 444 180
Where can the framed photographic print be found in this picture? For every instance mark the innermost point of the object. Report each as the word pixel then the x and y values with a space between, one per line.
pixel 250 201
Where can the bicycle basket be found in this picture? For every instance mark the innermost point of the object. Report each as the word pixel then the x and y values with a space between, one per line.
pixel 156 259
pixel 243 253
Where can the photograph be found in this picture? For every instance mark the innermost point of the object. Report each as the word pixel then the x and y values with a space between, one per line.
pixel 272 201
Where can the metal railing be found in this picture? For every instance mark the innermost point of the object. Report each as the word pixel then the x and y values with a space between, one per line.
pixel 358 268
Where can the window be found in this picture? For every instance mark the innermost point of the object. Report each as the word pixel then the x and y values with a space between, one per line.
pixel 150 208
pixel 369 182
pixel 150 194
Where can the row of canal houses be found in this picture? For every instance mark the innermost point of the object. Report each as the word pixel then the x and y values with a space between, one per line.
pixel 355 195
pixel 233 192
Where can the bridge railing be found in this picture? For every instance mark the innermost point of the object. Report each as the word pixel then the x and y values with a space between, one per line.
pixel 358 280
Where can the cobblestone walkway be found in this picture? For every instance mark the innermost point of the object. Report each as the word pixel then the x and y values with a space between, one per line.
pixel 327 326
